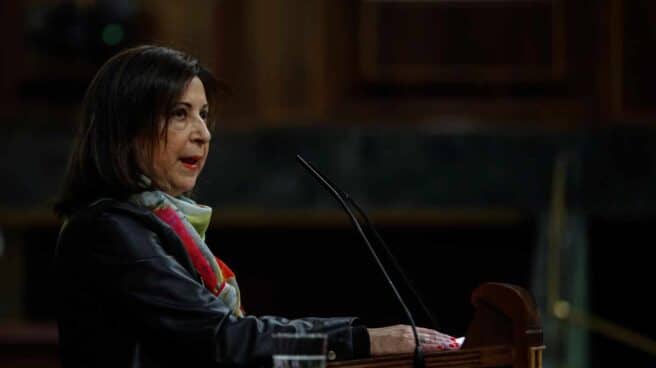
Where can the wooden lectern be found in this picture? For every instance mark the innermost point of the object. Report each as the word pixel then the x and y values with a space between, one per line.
pixel 505 332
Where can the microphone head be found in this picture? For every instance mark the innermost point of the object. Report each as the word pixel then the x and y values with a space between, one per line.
pixel 323 179
pixel 302 161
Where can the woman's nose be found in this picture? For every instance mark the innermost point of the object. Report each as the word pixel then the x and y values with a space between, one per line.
pixel 201 132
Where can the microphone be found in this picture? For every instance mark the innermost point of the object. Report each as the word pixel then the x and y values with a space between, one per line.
pixel 380 240
pixel 419 361
pixel 391 257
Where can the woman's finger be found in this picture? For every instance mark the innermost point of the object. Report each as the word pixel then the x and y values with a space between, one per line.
pixel 437 338
pixel 439 347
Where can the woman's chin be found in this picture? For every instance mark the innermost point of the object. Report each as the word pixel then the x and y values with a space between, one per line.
pixel 181 188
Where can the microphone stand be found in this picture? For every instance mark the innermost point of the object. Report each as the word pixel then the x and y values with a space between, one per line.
pixel 418 361
pixel 395 263
pixel 369 224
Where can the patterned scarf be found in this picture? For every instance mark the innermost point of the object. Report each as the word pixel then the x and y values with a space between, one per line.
pixel 190 221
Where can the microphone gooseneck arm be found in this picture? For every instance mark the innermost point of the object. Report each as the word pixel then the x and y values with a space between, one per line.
pixel 369 224
pixel 419 355
pixel 391 257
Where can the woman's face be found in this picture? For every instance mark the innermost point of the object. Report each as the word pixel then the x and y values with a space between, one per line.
pixel 178 160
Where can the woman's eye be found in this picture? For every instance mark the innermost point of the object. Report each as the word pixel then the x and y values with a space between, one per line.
pixel 204 114
pixel 179 114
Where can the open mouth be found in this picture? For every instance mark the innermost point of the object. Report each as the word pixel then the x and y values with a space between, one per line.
pixel 190 162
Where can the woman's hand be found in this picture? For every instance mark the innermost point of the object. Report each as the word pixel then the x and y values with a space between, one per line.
pixel 400 339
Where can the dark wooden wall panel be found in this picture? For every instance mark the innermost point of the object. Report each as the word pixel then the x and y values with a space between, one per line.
pixel 532 63
pixel 473 41
pixel 639 53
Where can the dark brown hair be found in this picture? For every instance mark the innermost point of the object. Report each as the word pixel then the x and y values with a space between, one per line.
pixel 120 123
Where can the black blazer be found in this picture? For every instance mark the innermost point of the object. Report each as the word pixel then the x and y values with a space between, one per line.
pixel 129 296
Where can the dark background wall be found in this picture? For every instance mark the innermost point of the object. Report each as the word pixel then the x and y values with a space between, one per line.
pixel 445 119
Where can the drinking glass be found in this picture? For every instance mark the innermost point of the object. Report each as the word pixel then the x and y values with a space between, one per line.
pixel 298 350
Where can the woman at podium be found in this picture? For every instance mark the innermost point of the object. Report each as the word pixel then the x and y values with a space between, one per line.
pixel 137 284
